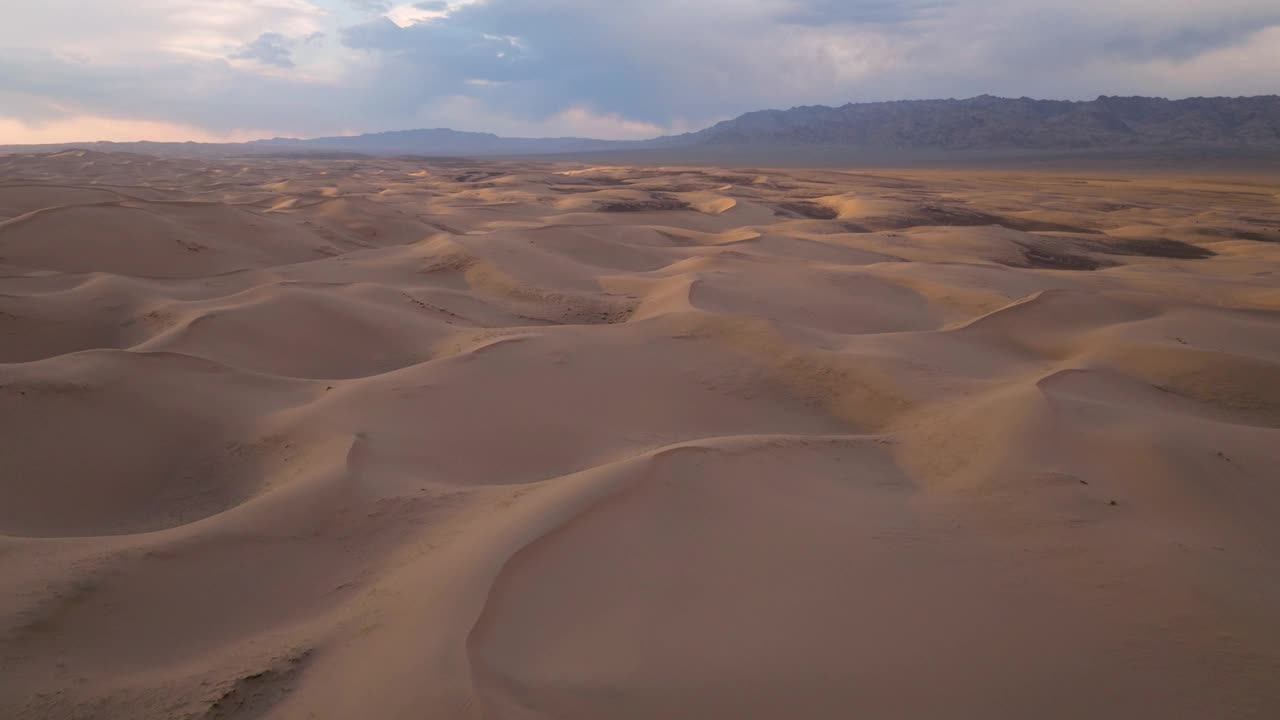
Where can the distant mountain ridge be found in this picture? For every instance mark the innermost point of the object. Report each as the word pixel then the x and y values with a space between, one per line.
pixel 984 123
pixel 988 122
pixel 443 141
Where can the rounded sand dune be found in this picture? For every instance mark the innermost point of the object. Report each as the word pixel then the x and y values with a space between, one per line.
pixel 115 442
pixel 298 437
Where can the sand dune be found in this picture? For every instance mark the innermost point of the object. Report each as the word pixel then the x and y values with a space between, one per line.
pixel 302 438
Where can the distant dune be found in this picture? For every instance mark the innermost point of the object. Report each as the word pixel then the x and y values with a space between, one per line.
pixel 388 438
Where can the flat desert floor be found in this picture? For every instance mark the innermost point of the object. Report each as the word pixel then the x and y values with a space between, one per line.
pixel 362 438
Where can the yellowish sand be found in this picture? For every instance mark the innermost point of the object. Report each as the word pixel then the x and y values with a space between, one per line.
pixel 288 438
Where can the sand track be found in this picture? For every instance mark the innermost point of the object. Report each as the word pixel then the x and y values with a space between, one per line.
pixel 303 438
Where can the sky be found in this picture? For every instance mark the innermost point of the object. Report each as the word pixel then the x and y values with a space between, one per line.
pixel 231 70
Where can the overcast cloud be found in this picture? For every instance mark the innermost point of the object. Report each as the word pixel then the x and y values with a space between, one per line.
pixel 234 69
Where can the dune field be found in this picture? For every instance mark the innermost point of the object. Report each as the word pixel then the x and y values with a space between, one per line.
pixel 413 438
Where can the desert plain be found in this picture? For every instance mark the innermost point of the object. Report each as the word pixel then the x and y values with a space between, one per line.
pixel 422 438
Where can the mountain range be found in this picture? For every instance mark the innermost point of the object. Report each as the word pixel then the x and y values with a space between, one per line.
pixel 984 123
pixel 442 141
pixel 979 123
pixel 988 122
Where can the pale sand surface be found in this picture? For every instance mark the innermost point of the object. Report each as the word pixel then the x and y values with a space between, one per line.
pixel 439 439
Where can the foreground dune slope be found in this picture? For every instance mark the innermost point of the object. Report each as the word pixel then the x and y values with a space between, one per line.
pixel 399 438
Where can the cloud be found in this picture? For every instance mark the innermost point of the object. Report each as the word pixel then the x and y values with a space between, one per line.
pixel 576 121
pixel 106 31
pixel 269 49
pixel 666 61
pixel 40 86
pixel 371 6
pixel 862 12
pixel 584 122
pixel 611 69
pixel 88 128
